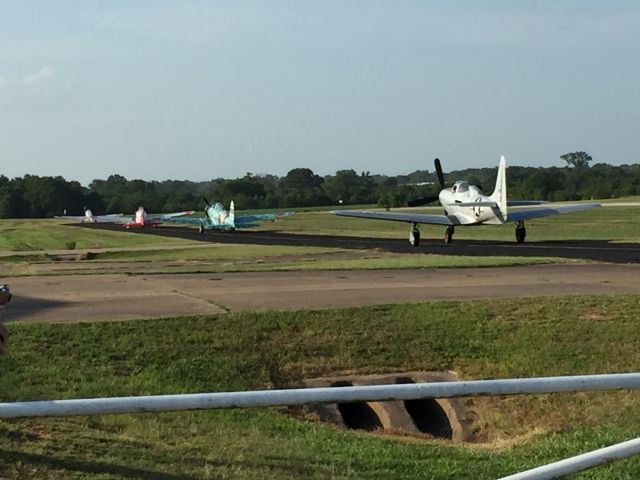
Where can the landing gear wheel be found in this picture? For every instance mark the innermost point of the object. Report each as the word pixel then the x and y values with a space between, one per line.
pixel 414 236
pixel 201 229
pixel 521 232
pixel 448 234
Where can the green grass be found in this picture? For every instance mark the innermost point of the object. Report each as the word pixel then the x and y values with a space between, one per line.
pixel 253 259
pixel 478 339
pixel 215 252
pixel 36 234
pixel 404 262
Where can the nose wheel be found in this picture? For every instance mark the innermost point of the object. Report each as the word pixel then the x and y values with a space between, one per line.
pixel 414 235
pixel 448 234
pixel 521 232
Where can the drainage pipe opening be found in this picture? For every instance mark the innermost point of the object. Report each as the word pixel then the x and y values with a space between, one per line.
pixel 427 415
pixel 357 415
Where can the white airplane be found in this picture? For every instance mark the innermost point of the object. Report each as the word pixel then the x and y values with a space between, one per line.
pixel 89 217
pixel 465 204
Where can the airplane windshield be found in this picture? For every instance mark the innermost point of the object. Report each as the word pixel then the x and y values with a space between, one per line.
pixel 461 187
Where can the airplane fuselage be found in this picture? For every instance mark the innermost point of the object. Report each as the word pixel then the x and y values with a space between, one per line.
pixel 463 193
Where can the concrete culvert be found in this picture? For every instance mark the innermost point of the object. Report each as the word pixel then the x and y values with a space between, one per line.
pixel 440 418
pixel 427 415
pixel 357 415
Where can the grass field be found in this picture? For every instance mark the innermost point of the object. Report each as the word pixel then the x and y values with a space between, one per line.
pixel 47 234
pixel 251 258
pixel 479 339
pixel 308 261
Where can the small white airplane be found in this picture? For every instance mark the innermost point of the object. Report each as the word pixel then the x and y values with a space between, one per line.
pixel 89 217
pixel 465 204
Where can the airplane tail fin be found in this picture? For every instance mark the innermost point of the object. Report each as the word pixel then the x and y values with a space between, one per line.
pixel 499 194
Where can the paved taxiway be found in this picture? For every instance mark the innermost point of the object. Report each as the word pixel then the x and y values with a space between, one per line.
pixel 597 250
pixel 72 298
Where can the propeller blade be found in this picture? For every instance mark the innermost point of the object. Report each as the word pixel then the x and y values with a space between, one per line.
pixel 439 172
pixel 206 202
pixel 416 202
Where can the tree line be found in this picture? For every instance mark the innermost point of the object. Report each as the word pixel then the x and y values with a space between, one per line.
pixel 33 196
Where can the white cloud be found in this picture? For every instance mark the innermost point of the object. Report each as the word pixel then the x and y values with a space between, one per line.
pixel 43 75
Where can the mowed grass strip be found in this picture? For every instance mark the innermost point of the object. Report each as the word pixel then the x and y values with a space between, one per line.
pixel 478 339
pixel 271 258
pixel 48 234
pixel 221 252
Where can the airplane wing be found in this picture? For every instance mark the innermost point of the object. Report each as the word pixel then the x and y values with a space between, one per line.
pixel 111 218
pixel 524 203
pixel 398 217
pixel 245 219
pixel 473 204
pixel 167 216
pixel 510 203
pixel 188 220
pixel 547 211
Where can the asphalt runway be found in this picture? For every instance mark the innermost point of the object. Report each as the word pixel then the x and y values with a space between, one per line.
pixel 597 250
pixel 74 298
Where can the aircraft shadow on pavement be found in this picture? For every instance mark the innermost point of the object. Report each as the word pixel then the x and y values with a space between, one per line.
pixel 22 307
pixel 597 250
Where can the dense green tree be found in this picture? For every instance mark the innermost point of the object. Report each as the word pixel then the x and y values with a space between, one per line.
pixel 577 159
pixel 301 188
pixel 349 188
pixel 247 192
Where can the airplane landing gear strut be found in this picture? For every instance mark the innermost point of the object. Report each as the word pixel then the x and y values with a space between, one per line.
pixel 448 234
pixel 521 232
pixel 414 235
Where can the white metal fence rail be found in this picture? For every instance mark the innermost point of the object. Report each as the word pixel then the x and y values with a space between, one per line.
pixel 272 398
pixel 582 462
pixel 299 396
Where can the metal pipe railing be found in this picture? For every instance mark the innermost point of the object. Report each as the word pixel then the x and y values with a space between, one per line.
pixel 579 463
pixel 271 398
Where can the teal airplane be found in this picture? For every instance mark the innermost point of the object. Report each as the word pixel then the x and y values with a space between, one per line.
pixel 217 218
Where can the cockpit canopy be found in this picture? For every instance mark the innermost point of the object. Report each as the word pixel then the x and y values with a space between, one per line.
pixel 216 209
pixel 461 186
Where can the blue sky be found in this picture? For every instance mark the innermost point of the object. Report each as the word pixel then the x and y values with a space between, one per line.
pixel 195 90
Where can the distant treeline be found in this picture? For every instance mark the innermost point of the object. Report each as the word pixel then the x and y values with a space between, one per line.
pixel 33 196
